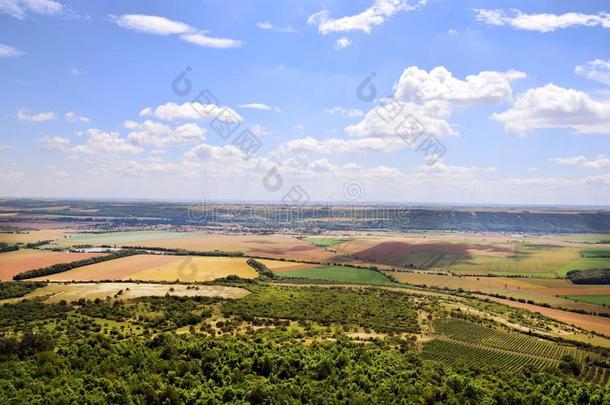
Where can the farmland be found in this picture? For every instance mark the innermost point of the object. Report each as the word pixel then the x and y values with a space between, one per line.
pixel 31 236
pixel 591 299
pixel 159 268
pixel 339 274
pixel 12 263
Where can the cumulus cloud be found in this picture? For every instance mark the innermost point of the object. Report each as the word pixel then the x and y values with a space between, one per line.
pixel 157 25
pixel 552 106
pixel 376 14
pixel 192 111
pixel 342 42
pixel 73 117
pixel 600 162
pixel 21 8
pixel 544 22
pixel 338 146
pixel 161 135
pixel 98 142
pixel 24 115
pixel 7 51
pixel 598 70
pixel 486 87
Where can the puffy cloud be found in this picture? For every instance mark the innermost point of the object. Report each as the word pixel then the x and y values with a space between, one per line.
pixel 192 111
pixel 7 51
pixel 100 142
pixel 20 8
pixel 598 70
pixel 342 42
pixel 24 115
pixel 552 106
pixel 377 14
pixel 348 112
pixel 486 87
pixel 57 143
pixel 156 25
pixel 601 161
pixel 545 22
pixel 72 117
pixel 161 135
pixel 338 146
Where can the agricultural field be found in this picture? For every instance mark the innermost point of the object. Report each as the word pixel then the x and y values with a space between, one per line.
pixel 13 263
pixel 585 264
pixel 591 299
pixel 325 242
pixel 56 292
pixel 147 267
pixel 32 236
pixel 338 274
pixel 595 252
pixel 273 246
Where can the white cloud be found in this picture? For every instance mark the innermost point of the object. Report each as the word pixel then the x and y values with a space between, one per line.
pixel 203 40
pixel 267 26
pixel 598 70
pixel 377 14
pixel 156 25
pixel 72 117
pixel 9 51
pixel 259 130
pixel 20 8
pixel 76 71
pixel 24 115
pixel 55 143
pixel 161 135
pixel 552 106
pixel 348 112
pixel 601 161
pixel 256 106
pixel 544 22
pixel 342 42
pixel 486 87
pixel 192 111
pixel 99 142
pixel 338 146
pixel 150 24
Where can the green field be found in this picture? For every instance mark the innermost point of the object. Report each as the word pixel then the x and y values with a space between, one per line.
pixel 595 252
pixel 340 274
pixel 326 242
pixel 585 264
pixel 590 299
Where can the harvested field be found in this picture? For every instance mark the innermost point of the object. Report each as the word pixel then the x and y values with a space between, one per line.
pixel 12 263
pixel 90 291
pixel 274 246
pixel 281 266
pixel 32 236
pixel 159 268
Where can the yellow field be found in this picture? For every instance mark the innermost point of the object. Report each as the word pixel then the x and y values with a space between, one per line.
pixel 12 263
pixel 162 268
pixel 56 292
pixel 32 236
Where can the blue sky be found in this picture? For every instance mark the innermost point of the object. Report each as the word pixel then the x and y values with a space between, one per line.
pixel 517 95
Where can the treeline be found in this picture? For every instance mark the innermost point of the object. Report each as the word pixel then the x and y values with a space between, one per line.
pixel 61 267
pixel 16 290
pixel 260 268
pixel 593 276
pixel 6 247
pixel 183 252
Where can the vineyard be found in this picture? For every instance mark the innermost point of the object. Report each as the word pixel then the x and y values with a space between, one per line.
pixel 461 342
